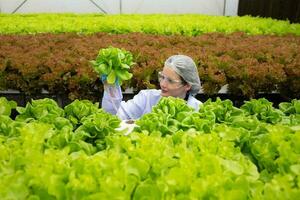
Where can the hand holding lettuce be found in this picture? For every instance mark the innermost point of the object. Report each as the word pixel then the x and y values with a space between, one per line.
pixel 112 64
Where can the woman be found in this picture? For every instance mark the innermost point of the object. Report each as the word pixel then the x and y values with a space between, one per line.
pixel 179 78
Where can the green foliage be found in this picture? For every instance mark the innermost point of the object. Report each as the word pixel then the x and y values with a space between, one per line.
pixel 289 108
pixel 221 111
pixel 45 110
pixel 292 111
pixel 168 116
pixel 263 110
pixel 94 129
pixel 50 159
pixel 113 63
pixel 9 127
pixel 6 106
pixel 190 24
pixel 79 109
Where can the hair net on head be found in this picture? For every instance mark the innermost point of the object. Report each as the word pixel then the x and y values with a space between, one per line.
pixel 185 67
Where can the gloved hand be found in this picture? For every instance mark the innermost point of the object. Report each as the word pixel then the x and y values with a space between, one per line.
pixel 104 78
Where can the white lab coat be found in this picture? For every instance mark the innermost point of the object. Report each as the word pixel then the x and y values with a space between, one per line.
pixel 141 103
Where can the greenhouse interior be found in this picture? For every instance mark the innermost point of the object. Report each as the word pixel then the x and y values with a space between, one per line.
pixel 149 99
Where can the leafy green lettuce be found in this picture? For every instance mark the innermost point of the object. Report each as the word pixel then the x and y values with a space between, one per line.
pixel 6 106
pixel 113 63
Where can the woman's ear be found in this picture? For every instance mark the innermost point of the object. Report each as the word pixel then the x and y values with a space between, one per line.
pixel 188 87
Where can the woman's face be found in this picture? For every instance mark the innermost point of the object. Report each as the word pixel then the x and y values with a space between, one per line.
pixel 171 84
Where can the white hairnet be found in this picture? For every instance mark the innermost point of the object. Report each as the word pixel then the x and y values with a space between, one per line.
pixel 185 67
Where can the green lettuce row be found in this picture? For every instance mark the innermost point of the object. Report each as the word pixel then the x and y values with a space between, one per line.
pixel 190 25
pixel 258 161
pixel 172 114
pixel 182 165
pixel 81 125
pixel 131 168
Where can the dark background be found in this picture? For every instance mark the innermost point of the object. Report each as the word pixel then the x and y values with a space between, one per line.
pixel 276 9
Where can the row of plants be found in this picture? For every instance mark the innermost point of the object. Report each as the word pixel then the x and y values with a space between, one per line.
pixel 189 25
pixel 61 63
pixel 218 152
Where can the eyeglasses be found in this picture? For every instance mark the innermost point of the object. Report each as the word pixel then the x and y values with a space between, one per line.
pixel 162 77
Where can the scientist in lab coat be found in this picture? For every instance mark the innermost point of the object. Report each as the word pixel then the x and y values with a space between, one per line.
pixel 179 78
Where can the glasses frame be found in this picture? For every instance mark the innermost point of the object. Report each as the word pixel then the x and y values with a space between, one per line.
pixel 170 81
